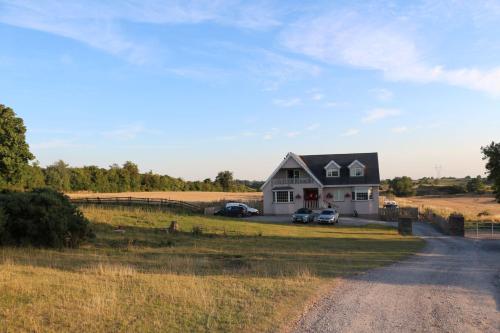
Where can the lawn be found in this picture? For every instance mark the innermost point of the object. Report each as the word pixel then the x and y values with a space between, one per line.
pixel 236 275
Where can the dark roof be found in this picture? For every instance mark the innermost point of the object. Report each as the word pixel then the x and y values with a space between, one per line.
pixel 317 163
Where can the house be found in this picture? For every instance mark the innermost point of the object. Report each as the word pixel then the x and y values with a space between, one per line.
pixel 347 182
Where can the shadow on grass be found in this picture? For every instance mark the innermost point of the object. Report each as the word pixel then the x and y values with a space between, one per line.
pixel 151 250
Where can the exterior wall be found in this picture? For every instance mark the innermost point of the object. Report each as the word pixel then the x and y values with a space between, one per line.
pixel 347 207
pixel 367 208
pixel 291 164
pixel 271 208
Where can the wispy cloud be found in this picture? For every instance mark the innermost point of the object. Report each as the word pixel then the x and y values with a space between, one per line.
pixel 384 44
pixel 399 129
pixel 99 24
pixel 313 126
pixel 57 144
pixel 379 113
pixel 350 132
pixel 317 97
pixel 293 134
pixel 382 94
pixel 128 132
pixel 286 103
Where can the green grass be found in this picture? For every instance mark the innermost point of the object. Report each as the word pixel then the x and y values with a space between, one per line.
pixel 237 276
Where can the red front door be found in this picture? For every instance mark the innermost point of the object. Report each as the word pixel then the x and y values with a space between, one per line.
pixel 311 198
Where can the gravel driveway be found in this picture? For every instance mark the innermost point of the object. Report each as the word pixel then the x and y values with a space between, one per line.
pixel 453 285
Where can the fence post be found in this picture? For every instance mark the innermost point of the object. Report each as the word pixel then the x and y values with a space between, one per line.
pixel 491 229
pixel 477 230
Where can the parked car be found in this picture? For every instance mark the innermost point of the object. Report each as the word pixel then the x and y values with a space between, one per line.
pixel 252 211
pixel 233 211
pixel 304 215
pixel 329 216
pixel 391 204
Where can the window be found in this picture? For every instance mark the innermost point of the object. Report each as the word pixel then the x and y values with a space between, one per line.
pixel 338 195
pixel 332 173
pixel 362 194
pixel 283 196
pixel 357 172
pixel 293 173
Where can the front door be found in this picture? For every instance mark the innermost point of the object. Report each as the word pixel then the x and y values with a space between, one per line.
pixel 311 198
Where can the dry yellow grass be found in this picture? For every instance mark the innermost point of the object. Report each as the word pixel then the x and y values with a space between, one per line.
pixel 239 276
pixel 469 206
pixel 190 196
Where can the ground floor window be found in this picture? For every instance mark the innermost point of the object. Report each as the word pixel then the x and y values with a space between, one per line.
pixel 283 196
pixel 362 194
pixel 338 195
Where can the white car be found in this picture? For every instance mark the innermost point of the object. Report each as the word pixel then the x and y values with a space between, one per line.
pixel 250 210
pixel 329 216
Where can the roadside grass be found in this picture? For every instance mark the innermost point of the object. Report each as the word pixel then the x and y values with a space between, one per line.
pixel 236 275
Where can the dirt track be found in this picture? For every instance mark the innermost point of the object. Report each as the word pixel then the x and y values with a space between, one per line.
pixel 453 285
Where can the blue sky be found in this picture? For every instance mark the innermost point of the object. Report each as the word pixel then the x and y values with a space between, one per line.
pixel 189 88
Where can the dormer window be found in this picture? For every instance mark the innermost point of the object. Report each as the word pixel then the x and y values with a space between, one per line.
pixel 356 169
pixel 333 173
pixel 332 170
pixel 357 172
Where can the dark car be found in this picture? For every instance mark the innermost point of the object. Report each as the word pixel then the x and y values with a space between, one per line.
pixel 233 211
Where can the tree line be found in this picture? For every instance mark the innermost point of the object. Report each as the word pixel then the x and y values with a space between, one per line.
pixel 124 178
pixel 16 171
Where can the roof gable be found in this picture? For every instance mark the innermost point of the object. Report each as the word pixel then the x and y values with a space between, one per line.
pixel 299 161
pixel 332 165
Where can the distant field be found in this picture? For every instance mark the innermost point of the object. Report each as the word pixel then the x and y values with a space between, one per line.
pixel 469 206
pixel 234 276
pixel 193 196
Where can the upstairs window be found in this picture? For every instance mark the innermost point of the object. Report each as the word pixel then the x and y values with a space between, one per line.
pixel 293 173
pixel 357 172
pixel 333 173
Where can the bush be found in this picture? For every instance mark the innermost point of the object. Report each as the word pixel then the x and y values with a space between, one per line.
pixel 402 186
pixel 197 230
pixel 42 218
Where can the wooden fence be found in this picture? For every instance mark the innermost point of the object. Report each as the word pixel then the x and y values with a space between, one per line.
pixel 394 214
pixel 131 201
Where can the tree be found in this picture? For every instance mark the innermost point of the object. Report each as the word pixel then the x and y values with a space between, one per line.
pixel 492 154
pixel 14 151
pixel 225 179
pixel 402 186
pixel 58 176
pixel 475 185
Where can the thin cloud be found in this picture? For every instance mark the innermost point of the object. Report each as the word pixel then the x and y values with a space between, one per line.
pixel 293 134
pixel 400 129
pixel 317 97
pixel 350 132
pixel 313 127
pixel 286 103
pixel 128 132
pixel 382 94
pixel 346 37
pixel 379 113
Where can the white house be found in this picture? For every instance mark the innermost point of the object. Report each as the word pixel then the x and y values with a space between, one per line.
pixel 347 182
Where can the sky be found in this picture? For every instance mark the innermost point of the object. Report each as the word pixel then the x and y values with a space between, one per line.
pixel 189 88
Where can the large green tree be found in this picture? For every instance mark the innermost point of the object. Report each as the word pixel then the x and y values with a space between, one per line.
pixel 402 186
pixel 491 153
pixel 225 179
pixel 14 151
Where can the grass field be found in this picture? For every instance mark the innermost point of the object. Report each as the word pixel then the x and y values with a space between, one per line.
pixel 469 206
pixel 192 196
pixel 236 276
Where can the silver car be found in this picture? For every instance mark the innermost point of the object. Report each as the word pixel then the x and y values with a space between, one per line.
pixel 304 215
pixel 329 216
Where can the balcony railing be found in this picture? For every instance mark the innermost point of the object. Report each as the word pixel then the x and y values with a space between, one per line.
pixel 289 181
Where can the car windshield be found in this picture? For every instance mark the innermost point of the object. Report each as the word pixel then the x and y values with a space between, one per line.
pixel 302 211
pixel 327 212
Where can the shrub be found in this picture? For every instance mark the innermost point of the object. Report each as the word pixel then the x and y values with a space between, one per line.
pixel 42 218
